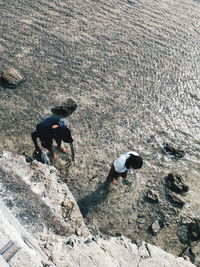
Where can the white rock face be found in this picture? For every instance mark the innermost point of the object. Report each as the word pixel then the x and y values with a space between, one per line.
pixel 54 233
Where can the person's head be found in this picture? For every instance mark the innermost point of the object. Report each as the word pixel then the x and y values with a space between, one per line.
pixel 63 133
pixel 134 162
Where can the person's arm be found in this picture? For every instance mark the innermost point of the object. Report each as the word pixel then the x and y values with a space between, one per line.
pixel 34 138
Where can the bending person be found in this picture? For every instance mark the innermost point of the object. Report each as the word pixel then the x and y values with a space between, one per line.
pixel 49 129
pixel 122 165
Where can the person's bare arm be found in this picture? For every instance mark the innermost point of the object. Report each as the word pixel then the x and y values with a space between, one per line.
pixel 34 138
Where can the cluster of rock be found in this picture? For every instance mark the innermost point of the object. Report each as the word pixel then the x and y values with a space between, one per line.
pixel 39 200
pixel 168 198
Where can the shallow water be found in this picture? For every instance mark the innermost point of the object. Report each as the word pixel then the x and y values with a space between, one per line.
pixel 133 69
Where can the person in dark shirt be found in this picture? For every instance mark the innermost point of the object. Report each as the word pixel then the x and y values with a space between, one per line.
pixel 49 129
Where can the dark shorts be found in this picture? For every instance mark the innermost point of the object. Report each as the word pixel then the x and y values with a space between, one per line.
pixel 115 175
pixel 46 143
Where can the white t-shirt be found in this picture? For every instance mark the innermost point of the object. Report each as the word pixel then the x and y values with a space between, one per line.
pixel 119 163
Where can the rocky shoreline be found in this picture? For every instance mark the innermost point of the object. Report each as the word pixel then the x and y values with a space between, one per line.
pixel 53 231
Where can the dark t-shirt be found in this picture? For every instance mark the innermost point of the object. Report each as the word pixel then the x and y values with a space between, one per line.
pixel 45 132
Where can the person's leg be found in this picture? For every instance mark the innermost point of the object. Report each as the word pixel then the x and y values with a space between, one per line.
pixel 48 145
pixel 112 176
pixel 60 147
pixel 124 175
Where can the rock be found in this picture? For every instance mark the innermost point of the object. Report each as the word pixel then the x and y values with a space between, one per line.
pixel 194 230
pixel 67 203
pixel 183 234
pixel 195 250
pixel 140 220
pixel 71 242
pixel 152 195
pixel 177 153
pixel 78 232
pixel 156 226
pixel 175 183
pixel 176 200
pixel 12 77
pixel 65 108
pixel 56 236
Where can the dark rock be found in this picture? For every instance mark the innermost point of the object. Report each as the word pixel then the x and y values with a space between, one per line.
pixel 71 242
pixel 194 230
pixel 177 153
pixel 11 77
pixel 152 196
pixel 65 108
pixel 176 200
pixel 183 234
pixel 175 183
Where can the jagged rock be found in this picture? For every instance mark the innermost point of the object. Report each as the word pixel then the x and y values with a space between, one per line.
pixel 152 195
pixel 65 108
pixel 176 199
pixel 168 149
pixel 174 182
pixel 12 77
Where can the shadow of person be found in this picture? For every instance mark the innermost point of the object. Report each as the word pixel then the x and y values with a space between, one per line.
pixel 89 202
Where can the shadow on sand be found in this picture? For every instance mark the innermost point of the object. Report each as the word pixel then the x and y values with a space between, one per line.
pixel 89 202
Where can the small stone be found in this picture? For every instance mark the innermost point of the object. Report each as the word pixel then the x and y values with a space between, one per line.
pixel 71 242
pixel 156 226
pixel 175 152
pixel 176 200
pixel 67 203
pixel 140 220
pixel 12 77
pixel 194 231
pixel 152 195
pixel 183 234
pixel 78 232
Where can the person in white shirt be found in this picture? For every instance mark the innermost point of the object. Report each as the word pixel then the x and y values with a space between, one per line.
pixel 122 165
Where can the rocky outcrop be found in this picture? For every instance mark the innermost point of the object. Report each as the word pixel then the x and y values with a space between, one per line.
pixel 53 231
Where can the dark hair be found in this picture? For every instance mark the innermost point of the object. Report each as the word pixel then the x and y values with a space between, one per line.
pixel 134 162
pixel 63 133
